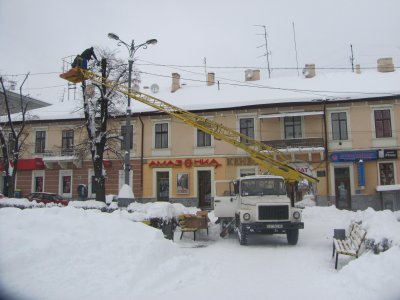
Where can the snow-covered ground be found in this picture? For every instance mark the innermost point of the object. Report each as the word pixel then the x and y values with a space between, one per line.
pixel 72 253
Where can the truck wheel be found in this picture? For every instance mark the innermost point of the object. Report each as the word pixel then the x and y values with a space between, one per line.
pixel 242 234
pixel 292 236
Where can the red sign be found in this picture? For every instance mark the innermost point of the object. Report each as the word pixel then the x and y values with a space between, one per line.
pixel 28 164
pixel 188 163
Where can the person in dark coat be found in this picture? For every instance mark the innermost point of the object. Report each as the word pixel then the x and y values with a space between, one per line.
pixel 86 56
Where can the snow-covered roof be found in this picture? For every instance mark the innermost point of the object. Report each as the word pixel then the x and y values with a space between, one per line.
pixel 229 94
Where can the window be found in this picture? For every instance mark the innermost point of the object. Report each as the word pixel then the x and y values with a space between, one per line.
pixel 247 172
pixel 65 183
pixel 383 126
pixel 37 181
pixel 123 134
pixel 93 185
pixel 386 173
pixel 339 126
pixel 67 142
pixel 161 135
pixel 292 127
pixel 247 128
pixel 203 139
pixel 40 141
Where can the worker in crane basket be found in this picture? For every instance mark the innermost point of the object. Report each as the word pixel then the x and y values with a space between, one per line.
pixel 82 60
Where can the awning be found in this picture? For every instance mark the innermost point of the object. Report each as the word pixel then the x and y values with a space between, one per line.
pixel 291 114
pixel 28 164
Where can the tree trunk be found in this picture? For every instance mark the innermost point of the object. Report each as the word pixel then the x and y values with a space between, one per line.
pixel 99 180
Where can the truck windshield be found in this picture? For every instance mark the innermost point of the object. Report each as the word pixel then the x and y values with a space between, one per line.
pixel 262 186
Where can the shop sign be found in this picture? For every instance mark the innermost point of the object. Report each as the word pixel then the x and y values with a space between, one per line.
pixel 188 163
pixel 240 161
pixel 353 156
pixel 303 168
pixel 387 153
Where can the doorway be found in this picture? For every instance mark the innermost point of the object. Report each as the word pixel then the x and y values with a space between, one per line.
pixel 342 188
pixel 204 188
pixel 162 186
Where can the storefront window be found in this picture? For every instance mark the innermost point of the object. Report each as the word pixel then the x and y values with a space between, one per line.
pixel 66 184
pixel 386 173
pixel 247 172
pixel 39 184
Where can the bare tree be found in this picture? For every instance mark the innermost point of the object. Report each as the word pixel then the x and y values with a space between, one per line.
pixel 100 104
pixel 12 138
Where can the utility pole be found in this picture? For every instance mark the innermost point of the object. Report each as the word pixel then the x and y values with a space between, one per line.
pixel 267 52
pixel 352 58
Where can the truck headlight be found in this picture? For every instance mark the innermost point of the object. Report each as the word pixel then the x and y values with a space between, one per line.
pixel 296 215
pixel 246 216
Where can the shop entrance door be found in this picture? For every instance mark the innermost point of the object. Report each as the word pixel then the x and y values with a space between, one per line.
pixel 162 186
pixel 204 188
pixel 342 188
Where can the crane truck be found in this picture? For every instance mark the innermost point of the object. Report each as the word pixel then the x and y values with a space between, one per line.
pixel 256 204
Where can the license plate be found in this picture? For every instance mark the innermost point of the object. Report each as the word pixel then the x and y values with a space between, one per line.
pixel 274 226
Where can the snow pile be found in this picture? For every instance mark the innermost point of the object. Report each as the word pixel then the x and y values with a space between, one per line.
pixel 308 201
pixel 69 253
pixel 161 210
pixel 126 192
pixel 88 204
pixel 24 203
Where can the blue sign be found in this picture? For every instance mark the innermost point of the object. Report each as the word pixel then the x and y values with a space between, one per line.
pixel 353 156
pixel 361 173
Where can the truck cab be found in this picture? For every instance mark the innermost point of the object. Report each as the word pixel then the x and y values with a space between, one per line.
pixel 258 204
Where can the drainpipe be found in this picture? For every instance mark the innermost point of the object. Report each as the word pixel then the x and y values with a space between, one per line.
pixel 326 154
pixel 141 154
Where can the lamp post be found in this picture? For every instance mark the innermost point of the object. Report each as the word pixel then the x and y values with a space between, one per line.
pixel 132 48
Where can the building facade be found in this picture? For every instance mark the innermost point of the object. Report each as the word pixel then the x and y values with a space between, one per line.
pixel 349 145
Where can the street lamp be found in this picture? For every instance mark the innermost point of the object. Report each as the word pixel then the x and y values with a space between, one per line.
pixel 132 48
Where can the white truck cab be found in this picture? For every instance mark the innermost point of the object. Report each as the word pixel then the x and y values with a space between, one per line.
pixel 257 204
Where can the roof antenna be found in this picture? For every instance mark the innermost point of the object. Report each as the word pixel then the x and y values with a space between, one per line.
pixel 295 49
pixel 267 52
pixel 352 58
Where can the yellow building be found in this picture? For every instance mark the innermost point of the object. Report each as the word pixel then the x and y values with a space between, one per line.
pixel 339 128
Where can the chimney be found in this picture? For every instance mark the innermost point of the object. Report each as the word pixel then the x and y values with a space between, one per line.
pixel 210 79
pixel 385 65
pixel 251 75
pixel 176 85
pixel 309 71
pixel 358 69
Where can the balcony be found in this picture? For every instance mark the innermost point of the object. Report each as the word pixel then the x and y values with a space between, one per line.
pixel 61 157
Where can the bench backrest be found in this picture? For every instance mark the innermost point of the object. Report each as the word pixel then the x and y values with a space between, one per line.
pixel 357 235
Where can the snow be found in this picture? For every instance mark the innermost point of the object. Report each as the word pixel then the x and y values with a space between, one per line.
pixel 126 192
pixel 191 96
pixel 72 253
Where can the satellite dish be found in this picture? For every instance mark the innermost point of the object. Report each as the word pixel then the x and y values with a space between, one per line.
pixel 154 88
pixel 306 71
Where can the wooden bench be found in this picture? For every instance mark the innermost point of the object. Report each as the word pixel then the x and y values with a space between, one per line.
pixel 192 223
pixel 349 245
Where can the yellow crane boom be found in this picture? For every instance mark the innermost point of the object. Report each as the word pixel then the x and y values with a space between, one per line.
pixel 266 156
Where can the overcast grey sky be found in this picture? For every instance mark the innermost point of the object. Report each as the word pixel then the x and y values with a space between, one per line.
pixel 36 35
